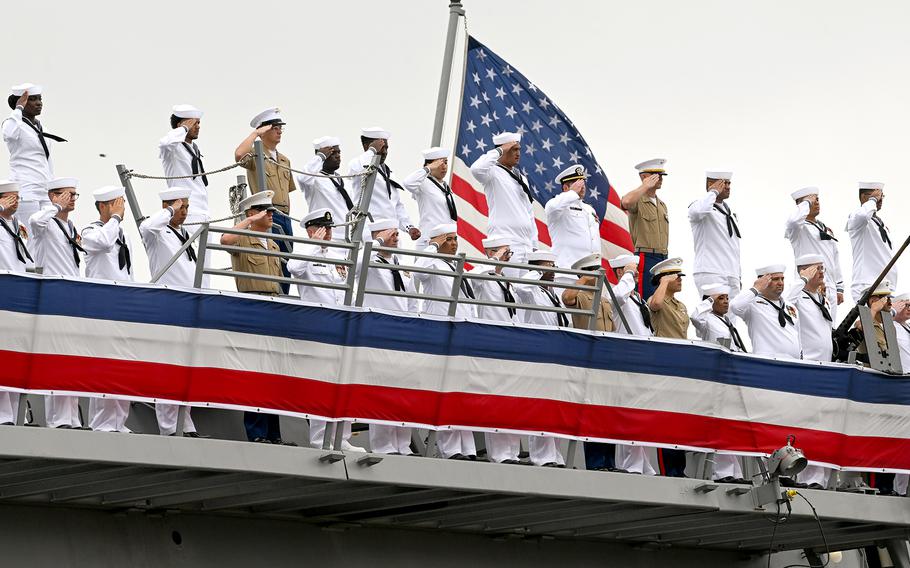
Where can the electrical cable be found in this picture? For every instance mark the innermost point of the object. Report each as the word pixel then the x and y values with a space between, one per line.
pixel 821 531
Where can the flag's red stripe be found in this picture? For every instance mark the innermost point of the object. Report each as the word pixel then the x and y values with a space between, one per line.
pixel 614 198
pixel 543 234
pixel 466 191
pixel 471 234
pixel 610 231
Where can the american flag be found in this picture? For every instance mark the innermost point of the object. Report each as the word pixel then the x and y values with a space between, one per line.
pixel 497 98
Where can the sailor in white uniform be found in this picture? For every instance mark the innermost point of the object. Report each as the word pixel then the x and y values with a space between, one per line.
pixel 54 239
pixel 808 235
pixel 162 234
pixel 443 240
pixel 108 257
pixel 318 225
pixel 716 235
pixel 323 192
pixel 901 306
pixel 13 256
pixel 29 148
pixel 870 239
pixel 573 224
pixel 435 199
pixel 773 322
pixel 633 306
pixel 815 318
pixel 385 201
pixel 709 318
pixel 508 195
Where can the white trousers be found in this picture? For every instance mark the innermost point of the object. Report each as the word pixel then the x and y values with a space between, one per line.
pixel 634 459
pixel 502 447
pixel 62 411
pixel 9 407
pixel 900 483
pixel 814 474
pixel 167 415
pixel 108 414
pixel 317 433
pixel 542 449
pixel 726 465
pixel 390 439
pixel 451 442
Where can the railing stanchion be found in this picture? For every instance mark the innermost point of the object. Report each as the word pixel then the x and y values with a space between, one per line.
pixel 200 256
pixel 364 271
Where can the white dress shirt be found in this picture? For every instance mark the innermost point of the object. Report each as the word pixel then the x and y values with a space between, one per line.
pixel 814 328
pixel 491 291
pixel 539 295
pixel 177 159
pixel 870 252
pixel 430 194
pixel 765 331
pixel 385 202
pixel 382 279
pixel 435 285
pixel 9 243
pixel 805 238
pixel 716 252
pixel 574 228
pixel 511 211
pixel 628 299
pixel 161 242
pixel 102 243
pixel 28 163
pixel 711 327
pixel 317 271
pixel 53 251
pixel 324 193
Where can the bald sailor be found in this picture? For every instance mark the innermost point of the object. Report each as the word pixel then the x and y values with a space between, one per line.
pixel 443 240
pixel 508 194
pixel 630 303
pixel 649 221
pixel 395 278
pixel 808 235
pixel 385 201
pixel 573 224
pixel 498 248
pixel 716 235
pixel 321 191
pixel 54 239
pixel 773 322
pixel 435 199
pixel 709 318
pixel 14 255
pixel 870 238
pixel 815 317
pixel 29 148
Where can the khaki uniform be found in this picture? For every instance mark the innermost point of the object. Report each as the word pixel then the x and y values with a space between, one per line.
pixel 257 264
pixel 277 179
pixel 583 301
pixel 879 338
pixel 649 225
pixel 672 320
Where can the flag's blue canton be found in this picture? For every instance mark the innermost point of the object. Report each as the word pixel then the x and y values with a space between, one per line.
pixel 497 98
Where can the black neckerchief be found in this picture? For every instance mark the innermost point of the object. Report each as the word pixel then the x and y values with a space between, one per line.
pixel 386 173
pixel 783 318
pixel 561 318
pixel 42 135
pixel 196 162
pixel 396 274
pixel 182 236
pixel 732 227
pixel 734 333
pixel 824 233
pixel 17 240
pixel 466 288
pixel 507 296
pixel 516 177
pixel 881 229
pixel 643 308
pixel 447 192
pixel 71 238
pixel 821 305
pixel 123 253
pixel 339 185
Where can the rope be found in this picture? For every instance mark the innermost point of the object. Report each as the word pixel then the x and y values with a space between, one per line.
pixel 365 172
pixel 133 174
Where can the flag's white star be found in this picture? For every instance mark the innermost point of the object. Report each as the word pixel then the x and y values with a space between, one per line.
pixel 481 145
pixel 516 88
pixel 594 193
pixel 588 151
pixel 536 126
pixel 524 172
pixel 530 149
pixel 486 120
pixel 510 111
pixel 501 93
pixel 507 71
pixel 465 150
pixel 544 103
pixel 574 156
pixel 564 139
pixel 546 144
pixel 557 163
pixel 486 98
pixel 526 107
pixel 521 130
pixel 554 121
pixel 481 55
pixel 491 74
pixel 471 126
pixel 540 168
pixel 532 87
pixel 597 169
pixel 551 186
pixel 475 102
pixel 495 116
pixel 476 78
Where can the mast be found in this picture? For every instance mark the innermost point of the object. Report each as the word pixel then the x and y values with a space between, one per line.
pixel 455 11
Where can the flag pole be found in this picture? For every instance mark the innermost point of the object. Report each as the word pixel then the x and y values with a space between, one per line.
pixel 455 11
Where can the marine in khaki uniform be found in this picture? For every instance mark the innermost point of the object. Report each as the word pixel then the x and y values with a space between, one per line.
pixel 879 301
pixel 584 299
pixel 258 209
pixel 649 222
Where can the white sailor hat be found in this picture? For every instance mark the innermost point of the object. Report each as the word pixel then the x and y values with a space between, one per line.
pixel 719 175
pixel 870 185
pixel 541 256
pixel 495 242
pixel 19 90
pixel 375 133
pixel 623 260
pixel 326 141
pixel 443 229
pixel 173 193
pixel 655 166
pixel 668 266
pixel 262 199
pixel 905 297
pixel 572 173
pixel 267 117
pixel 317 218
pixel 803 192
pixel 505 138
pixel 383 224
pixel 435 153
pixel 60 183
pixel 808 259
pixel 590 261
pixel 715 289
pixel 7 186
pixel 884 288
pixel 186 111
pixel 770 269
pixel 108 193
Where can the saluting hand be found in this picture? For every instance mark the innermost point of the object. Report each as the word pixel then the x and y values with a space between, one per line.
pixel 384 236
pixel 263 129
pixel 878 304
pixel 578 186
pixel 63 199
pixel 717 186
pixel 253 218
pixel 118 207
pixel 319 234
pixel 22 100
pixel 631 268
pixel 377 145
pixel 651 181
pixel 809 272
pixel 762 283
pixel 188 123
pixel 8 201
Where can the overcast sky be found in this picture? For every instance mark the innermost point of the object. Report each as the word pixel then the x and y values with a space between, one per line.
pixel 786 94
